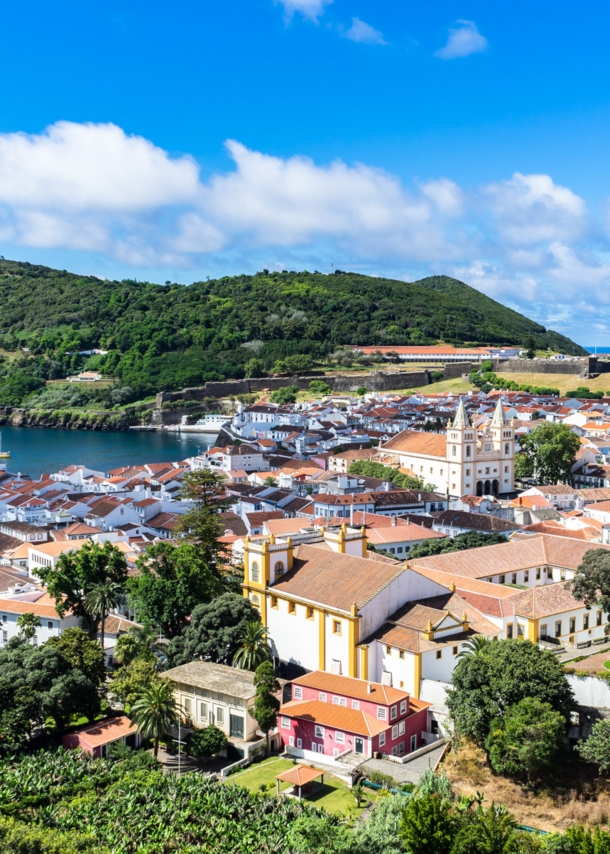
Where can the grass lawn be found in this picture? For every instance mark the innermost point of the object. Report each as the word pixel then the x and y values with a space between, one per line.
pixel 563 382
pixel 334 797
pixel 456 385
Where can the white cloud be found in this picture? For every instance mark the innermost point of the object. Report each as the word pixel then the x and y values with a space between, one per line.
pixel 91 166
pixel 363 33
pixel 271 201
pixel 445 194
pixel 532 208
pixel 311 9
pixel 463 41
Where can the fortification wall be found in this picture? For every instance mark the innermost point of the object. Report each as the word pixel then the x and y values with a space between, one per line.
pixel 541 366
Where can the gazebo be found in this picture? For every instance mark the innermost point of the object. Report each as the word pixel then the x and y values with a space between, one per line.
pixel 299 776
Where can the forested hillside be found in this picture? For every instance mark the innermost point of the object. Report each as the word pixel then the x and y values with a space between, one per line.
pixel 169 336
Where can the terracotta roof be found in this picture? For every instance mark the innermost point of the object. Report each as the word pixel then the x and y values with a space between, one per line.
pixel 545 601
pixel 299 775
pixel 16 606
pixel 401 534
pixel 522 552
pixel 335 580
pixel 54 548
pixel 106 731
pixel 350 687
pixel 474 521
pixel 257 519
pixel 412 442
pixel 337 717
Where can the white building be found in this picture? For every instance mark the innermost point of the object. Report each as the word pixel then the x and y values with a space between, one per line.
pixel 465 461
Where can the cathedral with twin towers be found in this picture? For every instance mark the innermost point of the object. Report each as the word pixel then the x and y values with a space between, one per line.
pixel 464 461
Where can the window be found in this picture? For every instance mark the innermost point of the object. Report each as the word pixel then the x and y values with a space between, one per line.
pixel 401 653
pixel 339 701
pixel 292 608
pixel 520 630
pixel 255 600
pixel 393 713
pixel 403 707
pixel 299 742
pixel 381 739
pixel 355 705
pixel 468 454
pixel 340 737
pixel 220 715
pixel 337 627
pixel 203 711
pixel 455 650
pixel 297 692
pixel 285 723
pixel 254 571
pixel 401 728
pixel 558 629
pixel 505 469
pixel 507 449
pixel 502 579
pixel 322 697
pixel 187 706
pixel 549 572
pixel 274 602
pixel 395 750
pixel 543 631
pixel 291 740
pixel 514 578
pixel 381 713
pixel 526 577
pixel 585 621
pixel 394 732
pixel 50 624
pixel 509 631
pixel 538 574
pixel 454 451
pixel 236 726
pixel 401 748
pixel 562 575
pixel 487 469
pixel 572 625
pixel 319 731
pixel 279 569
pixel 598 621
pixel 439 653
pixel 4 636
pixel 388 650
pixel 310 612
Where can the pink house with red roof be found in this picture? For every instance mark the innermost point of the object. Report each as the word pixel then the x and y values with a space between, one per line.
pixel 334 715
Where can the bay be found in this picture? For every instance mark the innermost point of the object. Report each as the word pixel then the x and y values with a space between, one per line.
pixel 35 451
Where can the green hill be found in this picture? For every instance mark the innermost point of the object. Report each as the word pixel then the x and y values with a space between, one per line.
pixel 170 336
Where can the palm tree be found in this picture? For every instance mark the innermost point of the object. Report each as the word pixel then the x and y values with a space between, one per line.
pixel 27 624
pixel 252 647
pixel 154 710
pixel 101 599
pixel 476 645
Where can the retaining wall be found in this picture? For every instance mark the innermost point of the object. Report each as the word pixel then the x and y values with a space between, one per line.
pixel 541 366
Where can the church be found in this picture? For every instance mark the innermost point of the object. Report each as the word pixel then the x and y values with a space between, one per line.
pixel 464 461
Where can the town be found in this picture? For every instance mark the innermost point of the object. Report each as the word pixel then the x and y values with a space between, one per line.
pixel 312 587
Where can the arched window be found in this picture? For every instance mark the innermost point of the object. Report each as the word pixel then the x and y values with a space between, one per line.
pixel 279 569
pixel 467 450
pixel 454 451
pixel 254 571
pixel 507 449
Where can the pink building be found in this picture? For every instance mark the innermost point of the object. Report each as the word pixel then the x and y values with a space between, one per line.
pixel 97 738
pixel 334 715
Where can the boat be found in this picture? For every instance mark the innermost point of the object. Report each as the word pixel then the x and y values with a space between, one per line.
pixel 4 455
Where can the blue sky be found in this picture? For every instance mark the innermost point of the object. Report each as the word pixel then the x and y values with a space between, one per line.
pixel 176 141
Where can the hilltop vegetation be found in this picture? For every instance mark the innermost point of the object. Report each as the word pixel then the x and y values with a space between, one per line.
pixel 170 336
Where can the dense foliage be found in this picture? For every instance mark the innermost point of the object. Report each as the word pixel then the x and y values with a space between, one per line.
pixel 597 747
pixel 591 582
pixel 171 336
pixel 486 685
pixel 367 468
pixel 547 453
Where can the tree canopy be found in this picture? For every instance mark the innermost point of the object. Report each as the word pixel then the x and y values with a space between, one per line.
pixel 367 468
pixel 470 540
pixel 591 582
pixel 214 631
pixel 77 573
pixel 170 582
pixel 485 686
pixel 547 453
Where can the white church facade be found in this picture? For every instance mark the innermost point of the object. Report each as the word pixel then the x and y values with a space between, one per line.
pixel 464 461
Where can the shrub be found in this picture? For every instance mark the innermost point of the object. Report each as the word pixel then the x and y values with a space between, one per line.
pixel 203 743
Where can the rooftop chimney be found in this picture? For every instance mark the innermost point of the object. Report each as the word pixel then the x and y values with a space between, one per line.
pixel 369 688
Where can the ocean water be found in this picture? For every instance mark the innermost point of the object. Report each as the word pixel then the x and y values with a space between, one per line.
pixel 605 349
pixel 35 451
